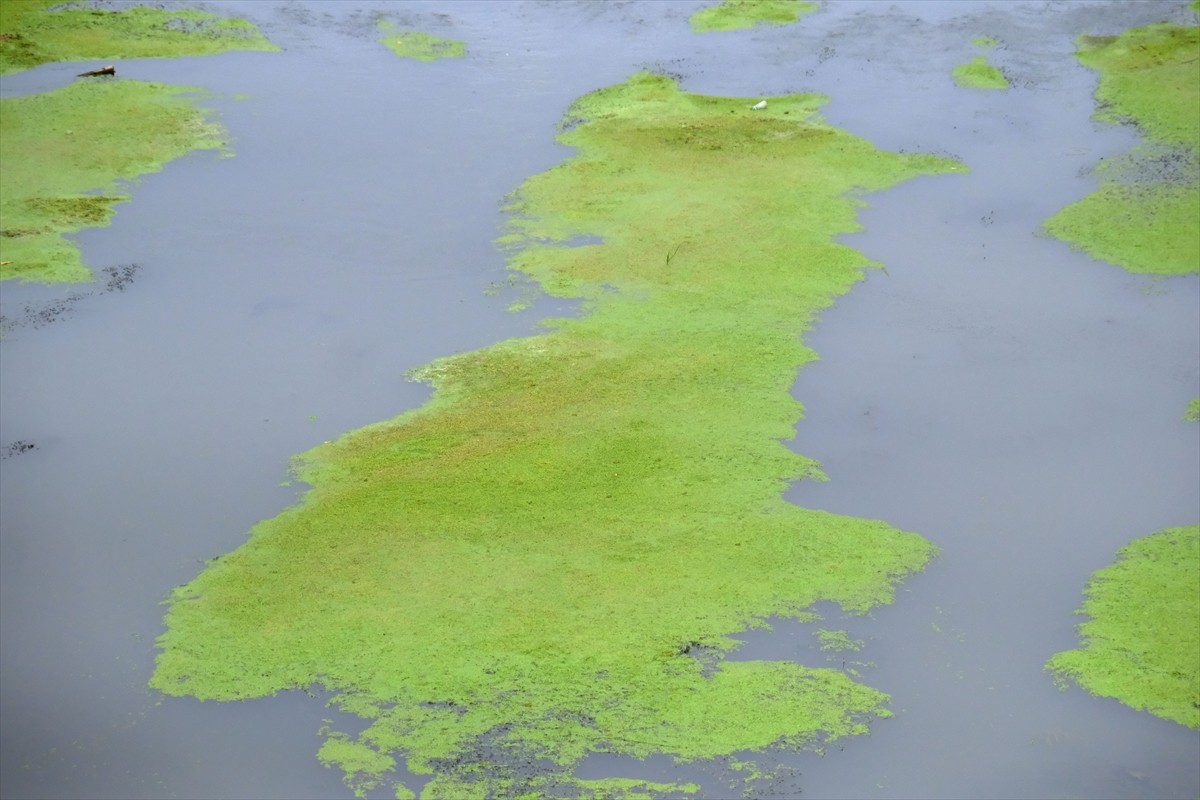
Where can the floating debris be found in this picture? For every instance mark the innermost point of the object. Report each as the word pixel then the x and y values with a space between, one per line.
pixel 16 448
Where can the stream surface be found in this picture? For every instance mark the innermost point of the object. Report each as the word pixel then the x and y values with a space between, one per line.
pixel 1011 400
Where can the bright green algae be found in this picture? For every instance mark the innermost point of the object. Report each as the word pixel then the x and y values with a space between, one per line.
pixel 58 149
pixel 1193 410
pixel 527 569
pixel 63 152
pixel 32 35
pixel 732 15
pixel 978 73
pixel 1144 215
pixel 1142 643
pixel 421 46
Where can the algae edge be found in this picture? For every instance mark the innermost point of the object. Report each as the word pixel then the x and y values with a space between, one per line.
pixel 1141 644
pixel 1143 215
pixel 418 45
pixel 32 34
pixel 66 158
pixel 732 15
pixel 524 570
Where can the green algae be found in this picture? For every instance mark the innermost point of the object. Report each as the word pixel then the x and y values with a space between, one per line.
pixel 530 567
pixel 1142 643
pixel 979 74
pixel 1143 216
pixel 1146 229
pixel 732 15
pixel 838 641
pixel 1193 411
pixel 30 34
pixel 421 46
pixel 58 149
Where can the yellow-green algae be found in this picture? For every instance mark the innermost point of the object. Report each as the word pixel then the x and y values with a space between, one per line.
pixel 62 154
pixel 978 73
pixel 1145 216
pixel 526 569
pixel 838 641
pixel 30 34
pixel 421 46
pixel 1193 410
pixel 732 15
pixel 1142 643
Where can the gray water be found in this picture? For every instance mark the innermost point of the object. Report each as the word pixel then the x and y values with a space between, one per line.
pixel 1014 401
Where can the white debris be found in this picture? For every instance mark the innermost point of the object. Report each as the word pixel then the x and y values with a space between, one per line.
pixel 760 105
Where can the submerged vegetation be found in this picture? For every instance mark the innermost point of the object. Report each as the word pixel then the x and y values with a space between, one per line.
pixel 1143 216
pixel 32 34
pixel 731 15
pixel 62 154
pixel 421 46
pixel 1142 643
pixel 530 567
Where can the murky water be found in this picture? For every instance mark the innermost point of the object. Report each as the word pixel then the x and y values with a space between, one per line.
pixel 1011 400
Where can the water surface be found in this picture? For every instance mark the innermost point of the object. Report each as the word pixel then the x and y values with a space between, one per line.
pixel 1015 402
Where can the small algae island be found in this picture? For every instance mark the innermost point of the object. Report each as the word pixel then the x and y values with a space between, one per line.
pixel 732 15
pixel 418 45
pixel 550 557
pixel 62 153
pixel 1144 215
pixel 978 73
pixel 1142 643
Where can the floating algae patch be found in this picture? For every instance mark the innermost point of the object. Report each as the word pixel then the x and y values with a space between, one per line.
pixel 1142 643
pixel 62 153
pixel 838 641
pixel 32 34
pixel 978 73
pixel 732 15
pixel 421 46
pixel 1193 410
pixel 1144 215
pixel 527 569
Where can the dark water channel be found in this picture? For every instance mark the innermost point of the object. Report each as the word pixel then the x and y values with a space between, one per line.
pixel 1013 401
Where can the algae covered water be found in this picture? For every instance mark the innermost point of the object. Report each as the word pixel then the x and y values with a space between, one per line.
pixel 1012 401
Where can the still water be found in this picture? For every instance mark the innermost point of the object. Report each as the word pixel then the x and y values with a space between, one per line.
pixel 1013 401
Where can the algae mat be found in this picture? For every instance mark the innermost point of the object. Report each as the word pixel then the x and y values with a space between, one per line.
pixel 1144 215
pixel 1142 645
pixel 36 32
pixel 59 148
pixel 64 153
pixel 549 558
